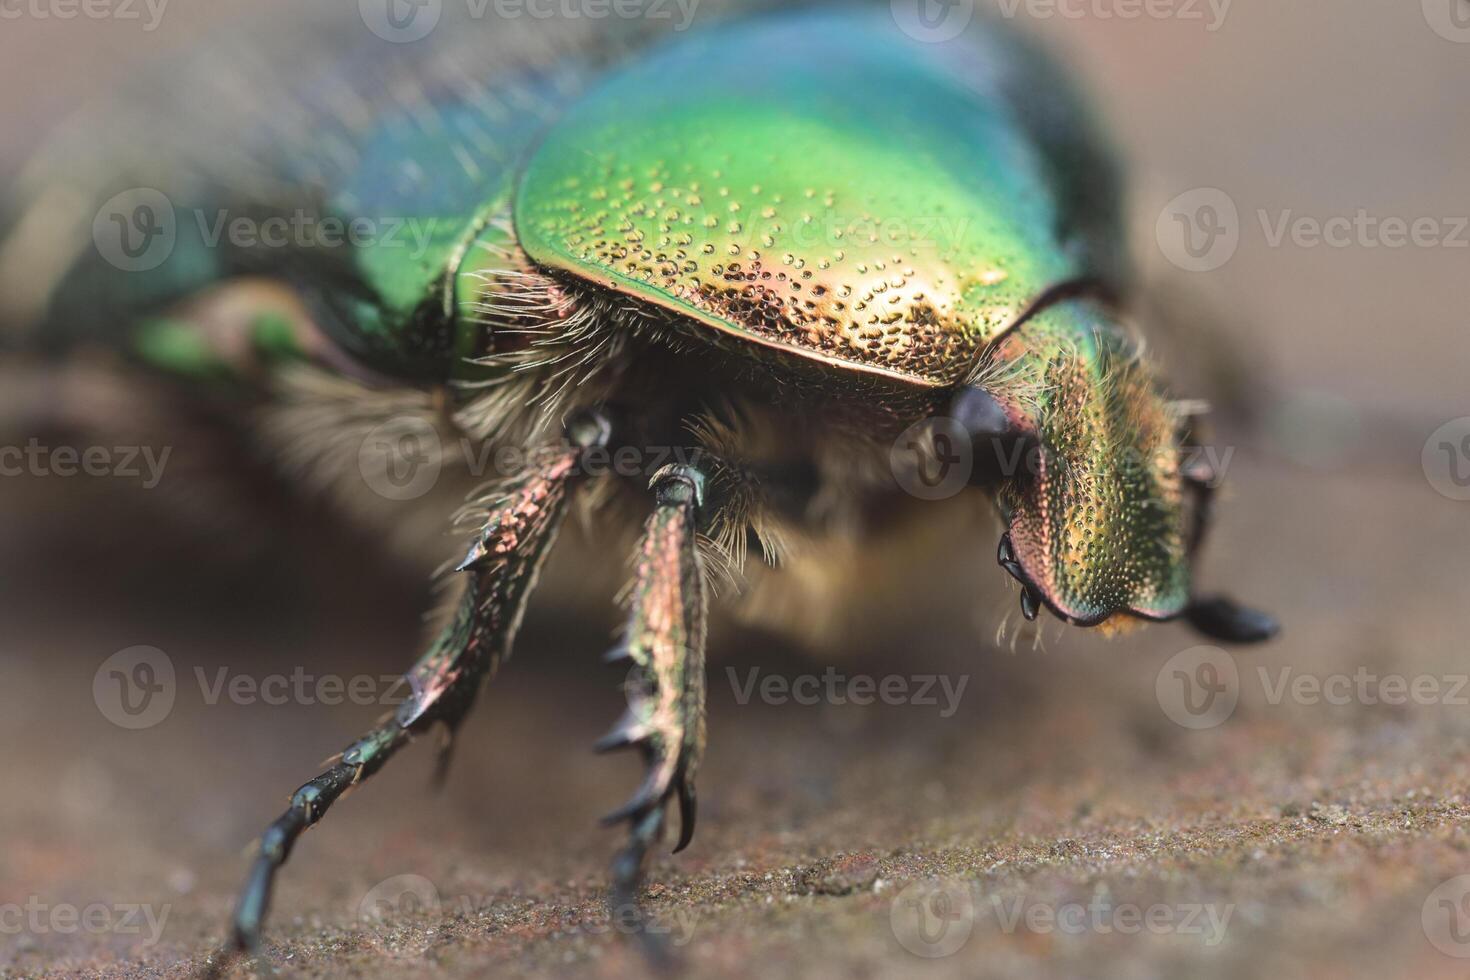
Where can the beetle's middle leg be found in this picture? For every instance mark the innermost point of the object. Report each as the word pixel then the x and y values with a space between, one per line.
pixel 503 562
pixel 664 641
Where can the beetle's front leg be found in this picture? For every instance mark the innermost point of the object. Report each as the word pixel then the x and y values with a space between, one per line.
pixel 502 565
pixel 664 640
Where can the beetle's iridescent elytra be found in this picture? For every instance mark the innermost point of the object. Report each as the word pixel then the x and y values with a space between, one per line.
pixel 773 243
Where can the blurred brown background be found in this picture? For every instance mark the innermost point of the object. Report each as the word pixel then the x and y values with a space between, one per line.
pixel 1326 829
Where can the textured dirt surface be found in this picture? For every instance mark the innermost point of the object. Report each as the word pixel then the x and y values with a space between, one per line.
pixel 1306 835
pixel 1315 832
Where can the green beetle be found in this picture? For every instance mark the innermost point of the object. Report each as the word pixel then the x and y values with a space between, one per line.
pixel 770 248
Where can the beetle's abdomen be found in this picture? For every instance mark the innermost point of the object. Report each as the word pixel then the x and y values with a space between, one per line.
pixel 818 183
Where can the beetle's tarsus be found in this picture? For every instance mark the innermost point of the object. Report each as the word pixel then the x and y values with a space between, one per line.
pixel 502 565
pixel 308 805
pixel 664 639
pixel 648 797
pixel 688 808
pixel 1222 618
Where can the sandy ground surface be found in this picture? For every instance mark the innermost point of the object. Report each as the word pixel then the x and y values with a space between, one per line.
pixel 1314 832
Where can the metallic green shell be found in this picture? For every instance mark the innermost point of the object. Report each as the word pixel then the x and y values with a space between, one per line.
pixel 899 203
pixel 814 182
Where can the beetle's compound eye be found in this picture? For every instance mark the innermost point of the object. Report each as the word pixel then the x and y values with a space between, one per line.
pixel 1000 437
pixel 984 416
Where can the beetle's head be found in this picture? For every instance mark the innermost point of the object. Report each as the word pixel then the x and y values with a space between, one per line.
pixel 1104 504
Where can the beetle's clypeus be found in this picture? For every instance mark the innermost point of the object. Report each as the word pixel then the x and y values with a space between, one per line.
pixel 773 244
